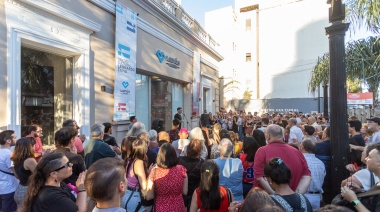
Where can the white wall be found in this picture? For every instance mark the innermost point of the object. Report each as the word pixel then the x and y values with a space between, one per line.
pixel 291 37
pixel 223 27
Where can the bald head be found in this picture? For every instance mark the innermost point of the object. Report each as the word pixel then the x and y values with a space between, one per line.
pixel 274 132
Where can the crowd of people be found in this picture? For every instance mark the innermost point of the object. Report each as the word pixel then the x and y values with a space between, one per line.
pixel 234 161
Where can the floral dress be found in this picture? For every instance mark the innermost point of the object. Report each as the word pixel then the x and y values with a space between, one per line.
pixel 168 185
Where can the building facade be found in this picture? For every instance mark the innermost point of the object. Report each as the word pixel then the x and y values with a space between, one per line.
pixel 58 63
pixel 276 45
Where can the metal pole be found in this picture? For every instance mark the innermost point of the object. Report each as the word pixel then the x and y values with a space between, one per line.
pixel 338 106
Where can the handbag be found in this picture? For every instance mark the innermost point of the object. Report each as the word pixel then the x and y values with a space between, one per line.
pixel 144 201
pixel 339 200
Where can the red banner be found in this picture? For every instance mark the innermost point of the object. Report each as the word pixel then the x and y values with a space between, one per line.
pixel 360 98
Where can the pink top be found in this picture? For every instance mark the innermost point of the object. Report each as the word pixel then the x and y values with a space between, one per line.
pixel 132 180
pixel 78 144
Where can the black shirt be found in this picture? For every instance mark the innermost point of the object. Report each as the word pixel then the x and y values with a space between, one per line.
pixel 22 173
pixel 152 155
pixel 110 140
pixel 193 167
pixel 55 199
pixel 294 200
pixel 179 117
pixel 356 155
pixel 78 164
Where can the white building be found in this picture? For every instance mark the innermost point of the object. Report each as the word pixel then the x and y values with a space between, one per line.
pixel 277 44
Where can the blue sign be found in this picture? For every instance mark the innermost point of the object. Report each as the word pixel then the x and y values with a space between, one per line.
pixel 125 84
pixel 122 50
pixel 160 55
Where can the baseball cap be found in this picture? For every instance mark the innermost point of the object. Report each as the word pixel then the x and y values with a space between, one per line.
pixel 184 130
pixel 375 119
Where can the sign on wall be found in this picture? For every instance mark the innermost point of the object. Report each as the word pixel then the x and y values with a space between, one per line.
pixel 360 98
pixel 125 63
pixel 196 83
pixel 170 61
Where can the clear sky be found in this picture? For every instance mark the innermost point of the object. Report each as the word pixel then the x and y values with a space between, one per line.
pixel 198 8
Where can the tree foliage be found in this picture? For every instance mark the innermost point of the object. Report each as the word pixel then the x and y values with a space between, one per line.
pixel 363 13
pixel 247 94
pixel 362 65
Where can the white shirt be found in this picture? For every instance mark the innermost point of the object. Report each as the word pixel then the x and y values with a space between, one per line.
pixel 365 179
pixel 295 133
pixel 8 183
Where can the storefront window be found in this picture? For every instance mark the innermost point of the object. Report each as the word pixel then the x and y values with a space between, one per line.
pixel 46 90
pixel 142 97
pixel 162 101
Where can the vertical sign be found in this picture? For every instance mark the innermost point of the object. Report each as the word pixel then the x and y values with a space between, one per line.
pixel 196 83
pixel 125 63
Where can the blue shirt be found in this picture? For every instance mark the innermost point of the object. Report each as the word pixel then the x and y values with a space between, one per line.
pixel 323 148
pixel 318 173
pixel 231 176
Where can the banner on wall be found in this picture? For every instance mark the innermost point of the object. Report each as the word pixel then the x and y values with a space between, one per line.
pixel 196 84
pixel 125 63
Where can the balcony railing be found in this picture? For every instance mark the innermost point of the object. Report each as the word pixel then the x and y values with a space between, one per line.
pixel 173 9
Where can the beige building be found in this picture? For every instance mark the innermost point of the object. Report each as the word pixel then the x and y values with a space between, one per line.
pixel 57 60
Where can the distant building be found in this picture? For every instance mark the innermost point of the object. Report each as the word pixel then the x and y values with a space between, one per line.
pixel 273 44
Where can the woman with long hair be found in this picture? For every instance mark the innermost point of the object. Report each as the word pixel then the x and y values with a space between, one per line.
pixel 238 145
pixel 259 136
pixel 210 196
pixel 168 181
pixel 250 148
pixel 278 176
pixel 215 134
pixel 24 164
pixel 235 124
pixel 47 192
pixel 126 144
pixel 136 169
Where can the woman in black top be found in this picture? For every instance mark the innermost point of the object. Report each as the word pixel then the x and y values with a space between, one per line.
pixel 235 124
pixel 278 176
pixel 64 141
pixel 47 192
pixel 24 164
pixel 193 163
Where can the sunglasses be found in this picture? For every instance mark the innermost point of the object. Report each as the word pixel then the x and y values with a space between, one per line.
pixel 68 164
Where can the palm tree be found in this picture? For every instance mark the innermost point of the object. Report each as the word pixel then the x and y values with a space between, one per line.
pixel 320 76
pixel 363 65
pixel 362 60
pixel 363 12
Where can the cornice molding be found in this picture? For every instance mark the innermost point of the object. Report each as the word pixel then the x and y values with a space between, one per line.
pixel 161 14
pixel 63 13
pixel 110 6
pixel 208 63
